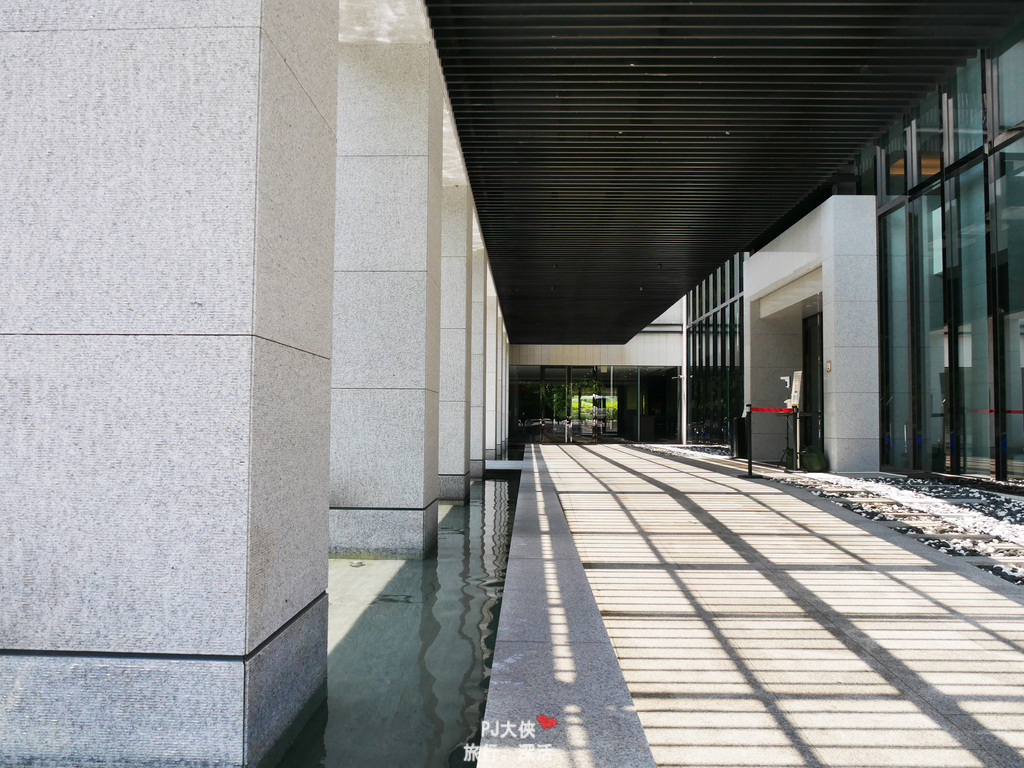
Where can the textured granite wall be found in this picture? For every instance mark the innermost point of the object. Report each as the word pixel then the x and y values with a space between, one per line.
pixel 850 334
pixel 503 402
pixel 478 362
pixel 167 183
pixel 456 303
pixel 837 240
pixel 387 299
pixel 491 378
pixel 500 398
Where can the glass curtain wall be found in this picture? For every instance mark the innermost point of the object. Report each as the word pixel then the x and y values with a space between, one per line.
pixel 593 404
pixel 714 373
pixel 949 180
pixel 1010 86
pixel 1008 229
pixel 931 356
pixel 968 262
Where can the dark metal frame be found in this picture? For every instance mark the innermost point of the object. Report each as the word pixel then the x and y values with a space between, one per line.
pixel 614 147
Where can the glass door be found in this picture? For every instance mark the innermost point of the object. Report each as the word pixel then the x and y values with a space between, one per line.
pixel 896 426
pixel 930 335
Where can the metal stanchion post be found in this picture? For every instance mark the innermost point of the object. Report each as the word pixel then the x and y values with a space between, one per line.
pixel 750 441
pixel 796 437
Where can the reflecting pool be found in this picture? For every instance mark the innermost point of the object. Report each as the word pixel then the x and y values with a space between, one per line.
pixel 410 644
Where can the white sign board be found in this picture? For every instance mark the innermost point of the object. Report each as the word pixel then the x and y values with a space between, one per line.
pixel 794 395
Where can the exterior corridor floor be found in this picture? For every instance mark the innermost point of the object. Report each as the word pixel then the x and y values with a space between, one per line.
pixel 758 626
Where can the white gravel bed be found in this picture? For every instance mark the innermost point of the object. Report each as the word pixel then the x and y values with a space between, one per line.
pixel 690 451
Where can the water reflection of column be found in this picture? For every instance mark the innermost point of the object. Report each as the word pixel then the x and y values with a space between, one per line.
pixel 494 543
pixel 475 618
pixel 487 527
pixel 453 655
pixel 496 521
pixel 459 619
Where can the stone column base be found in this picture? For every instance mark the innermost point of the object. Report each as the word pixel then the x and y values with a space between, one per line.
pixel 394 533
pixel 454 487
pixel 86 709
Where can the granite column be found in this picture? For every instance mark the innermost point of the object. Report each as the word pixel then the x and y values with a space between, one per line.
pixel 456 305
pixel 167 182
pixel 387 300
pixel 478 362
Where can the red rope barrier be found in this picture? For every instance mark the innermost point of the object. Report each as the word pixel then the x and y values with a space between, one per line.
pixel 773 410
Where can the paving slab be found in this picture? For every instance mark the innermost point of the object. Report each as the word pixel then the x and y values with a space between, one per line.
pixel 557 696
pixel 757 624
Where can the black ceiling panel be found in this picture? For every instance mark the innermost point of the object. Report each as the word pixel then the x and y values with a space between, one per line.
pixel 619 152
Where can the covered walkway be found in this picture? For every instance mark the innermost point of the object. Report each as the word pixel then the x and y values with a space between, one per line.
pixel 754 625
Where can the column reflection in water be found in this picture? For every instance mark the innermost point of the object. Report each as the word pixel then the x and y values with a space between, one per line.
pixel 411 644
pixel 1009 237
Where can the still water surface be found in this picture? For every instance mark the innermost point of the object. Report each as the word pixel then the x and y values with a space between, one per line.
pixel 410 644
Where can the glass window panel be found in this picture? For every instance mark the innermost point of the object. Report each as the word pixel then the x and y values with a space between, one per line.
pixel 896 336
pixel 895 162
pixel 930 334
pixel 586 383
pixel 972 332
pixel 928 127
pixel 968 116
pixel 1008 223
pixel 736 374
pixel 1011 87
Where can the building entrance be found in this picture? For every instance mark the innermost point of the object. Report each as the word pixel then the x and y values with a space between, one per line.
pixel 592 404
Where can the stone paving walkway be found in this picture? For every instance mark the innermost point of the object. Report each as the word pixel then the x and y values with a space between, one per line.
pixel 758 626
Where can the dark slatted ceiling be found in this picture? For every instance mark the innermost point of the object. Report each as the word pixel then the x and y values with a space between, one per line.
pixel 619 152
